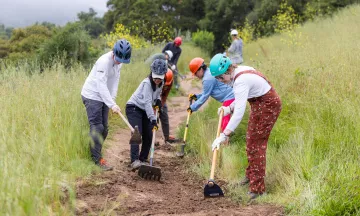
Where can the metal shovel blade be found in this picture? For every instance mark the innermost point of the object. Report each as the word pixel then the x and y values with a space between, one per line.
pixel 135 137
pixel 181 153
pixel 149 172
pixel 212 190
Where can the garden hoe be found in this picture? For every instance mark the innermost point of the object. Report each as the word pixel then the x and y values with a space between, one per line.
pixel 182 147
pixel 135 134
pixel 212 190
pixel 149 171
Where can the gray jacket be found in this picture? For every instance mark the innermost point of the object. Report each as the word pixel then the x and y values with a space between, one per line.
pixel 235 51
pixel 144 98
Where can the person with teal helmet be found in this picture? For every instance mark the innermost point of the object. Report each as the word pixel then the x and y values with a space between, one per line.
pixel 248 85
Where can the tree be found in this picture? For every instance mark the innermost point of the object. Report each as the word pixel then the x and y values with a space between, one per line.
pixel 94 25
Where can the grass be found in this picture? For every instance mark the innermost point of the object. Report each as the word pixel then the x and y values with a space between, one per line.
pixel 44 133
pixel 313 163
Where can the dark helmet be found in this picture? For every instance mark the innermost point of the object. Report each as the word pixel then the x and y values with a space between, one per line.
pixel 158 68
pixel 122 51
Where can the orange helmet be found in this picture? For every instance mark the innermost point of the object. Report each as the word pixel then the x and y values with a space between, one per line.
pixel 195 64
pixel 177 41
pixel 168 77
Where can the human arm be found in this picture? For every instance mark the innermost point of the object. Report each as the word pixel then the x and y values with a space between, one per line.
pixel 101 75
pixel 241 92
pixel 208 86
pixel 176 57
pixel 165 48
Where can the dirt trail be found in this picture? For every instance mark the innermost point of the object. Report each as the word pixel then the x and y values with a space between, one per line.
pixel 123 192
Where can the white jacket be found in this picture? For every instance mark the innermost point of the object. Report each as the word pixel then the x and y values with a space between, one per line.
pixel 103 80
pixel 245 86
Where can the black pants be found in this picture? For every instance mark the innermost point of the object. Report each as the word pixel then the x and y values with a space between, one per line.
pixel 137 116
pixel 97 113
pixel 164 118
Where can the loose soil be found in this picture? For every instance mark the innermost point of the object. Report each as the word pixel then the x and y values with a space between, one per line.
pixel 180 192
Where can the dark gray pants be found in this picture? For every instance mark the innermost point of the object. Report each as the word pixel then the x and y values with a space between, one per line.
pixel 137 116
pixel 164 118
pixel 97 113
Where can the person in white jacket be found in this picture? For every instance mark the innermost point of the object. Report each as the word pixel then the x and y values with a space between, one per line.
pixel 252 86
pixel 99 93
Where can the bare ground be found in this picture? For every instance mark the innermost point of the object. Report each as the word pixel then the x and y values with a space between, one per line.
pixel 123 192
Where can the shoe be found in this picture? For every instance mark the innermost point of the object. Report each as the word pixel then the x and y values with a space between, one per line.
pixel 253 195
pixel 245 181
pixel 103 165
pixel 136 165
pixel 172 140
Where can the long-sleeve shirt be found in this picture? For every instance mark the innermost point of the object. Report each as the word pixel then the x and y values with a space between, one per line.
pixel 214 88
pixel 245 86
pixel 165 93
pixel 144 97
pixel 103 80
pixel 175 50
pixel 235 51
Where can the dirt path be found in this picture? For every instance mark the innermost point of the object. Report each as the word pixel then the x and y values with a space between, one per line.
pixel 123 192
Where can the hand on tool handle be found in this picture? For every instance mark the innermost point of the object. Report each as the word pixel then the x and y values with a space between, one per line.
pixel 116 109
pixel 220 140
pixel 154 125
pixel 192 97
pixel 227 110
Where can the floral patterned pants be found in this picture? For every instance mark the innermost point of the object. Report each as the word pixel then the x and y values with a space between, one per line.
pixel 263 115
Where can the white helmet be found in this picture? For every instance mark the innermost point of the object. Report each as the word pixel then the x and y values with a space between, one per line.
pixel 234 32
pixel 169 53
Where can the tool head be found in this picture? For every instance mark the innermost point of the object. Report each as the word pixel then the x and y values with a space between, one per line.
pixel 212 190
pixel 150 172
pixel 181 153
pixel 135 137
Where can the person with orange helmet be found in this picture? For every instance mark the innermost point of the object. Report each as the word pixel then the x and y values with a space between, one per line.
pixel 174 47
pixel 164 117
pixel 211 87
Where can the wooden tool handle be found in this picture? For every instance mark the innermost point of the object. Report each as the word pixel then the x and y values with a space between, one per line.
pixel 152 148
pixel 126 121
pixel 213 164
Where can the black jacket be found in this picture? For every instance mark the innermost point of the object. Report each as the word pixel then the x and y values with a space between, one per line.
pixel 175 50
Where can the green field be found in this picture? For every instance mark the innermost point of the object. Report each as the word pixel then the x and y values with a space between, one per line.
pixel 313 162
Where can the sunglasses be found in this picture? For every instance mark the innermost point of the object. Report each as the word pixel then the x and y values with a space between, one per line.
pixel 221 77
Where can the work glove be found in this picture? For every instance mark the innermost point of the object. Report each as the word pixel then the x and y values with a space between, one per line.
pixel 189 110
pixel 154 125
pixel 173 67
pixel 158 105
pixel 219 140
pixel 192 97
pixel 116 109
pixel 227 110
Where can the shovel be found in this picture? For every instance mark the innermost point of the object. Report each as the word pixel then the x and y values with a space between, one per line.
pixel 182 147
pixel 212 190
pixel 135 134
pixel 149 171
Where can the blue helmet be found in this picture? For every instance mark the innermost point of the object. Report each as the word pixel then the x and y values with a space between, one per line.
pixel 158 68
pixel 122 51
pixel 219 64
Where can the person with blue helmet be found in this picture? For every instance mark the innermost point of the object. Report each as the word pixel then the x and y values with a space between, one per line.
pixel 211 87
pixel 140 112
pixel 252 86
pixel 99 93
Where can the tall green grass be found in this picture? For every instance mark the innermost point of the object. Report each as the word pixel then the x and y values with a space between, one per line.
pixel 313 159
pixel 44 133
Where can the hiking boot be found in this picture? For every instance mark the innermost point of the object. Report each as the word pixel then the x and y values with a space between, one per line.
pixel 245 181
pixel 136 165
pixel 103 165
pixel 253 195
pixel 172 140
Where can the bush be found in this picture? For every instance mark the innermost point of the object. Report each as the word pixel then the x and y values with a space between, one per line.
pixel 204 40
pixel 72 41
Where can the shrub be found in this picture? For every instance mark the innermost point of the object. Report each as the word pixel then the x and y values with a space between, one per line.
pixel 204 40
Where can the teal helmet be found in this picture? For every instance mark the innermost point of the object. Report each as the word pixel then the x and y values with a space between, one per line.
pixel 219 64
